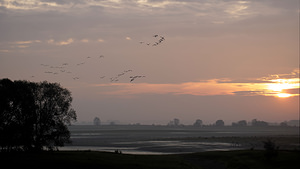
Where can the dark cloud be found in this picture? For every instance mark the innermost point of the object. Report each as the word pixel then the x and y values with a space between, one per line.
pixel 291 91
pixel 248 93
pixel 64 2
pixel 242 81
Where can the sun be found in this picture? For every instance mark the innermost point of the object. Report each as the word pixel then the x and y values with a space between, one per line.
pixel 283 95
pixel 279 85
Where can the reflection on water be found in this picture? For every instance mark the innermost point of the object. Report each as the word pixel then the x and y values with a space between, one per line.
pixel 167 140
pixel 156 147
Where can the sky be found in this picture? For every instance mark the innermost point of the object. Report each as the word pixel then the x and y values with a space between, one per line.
pixel 150 61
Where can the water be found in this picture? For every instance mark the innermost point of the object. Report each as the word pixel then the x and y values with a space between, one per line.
pixel 141 139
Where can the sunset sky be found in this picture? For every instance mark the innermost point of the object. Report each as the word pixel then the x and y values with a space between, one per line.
pixel 150 61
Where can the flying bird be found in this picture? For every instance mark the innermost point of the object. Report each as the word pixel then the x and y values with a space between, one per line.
pixel 132 78
pixel 159 39
pixel 80 63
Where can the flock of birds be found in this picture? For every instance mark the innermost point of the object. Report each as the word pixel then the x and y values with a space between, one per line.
pixel 159 40
pixel 64 68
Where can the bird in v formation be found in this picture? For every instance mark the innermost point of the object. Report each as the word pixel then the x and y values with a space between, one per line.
pixel 62 69
pixel 112 79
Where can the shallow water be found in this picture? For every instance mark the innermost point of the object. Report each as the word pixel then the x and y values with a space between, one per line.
pixel 169 140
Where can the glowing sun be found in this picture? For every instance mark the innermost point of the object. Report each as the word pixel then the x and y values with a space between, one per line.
pixel 279 85
pixel 283 95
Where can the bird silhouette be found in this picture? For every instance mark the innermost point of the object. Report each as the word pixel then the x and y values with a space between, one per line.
pixel 80 63
pixel 132 78
pixel 159 40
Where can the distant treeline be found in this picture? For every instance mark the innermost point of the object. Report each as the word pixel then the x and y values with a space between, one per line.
pixel 218 123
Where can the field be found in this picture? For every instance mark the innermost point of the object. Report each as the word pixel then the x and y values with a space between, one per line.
pixel 245 159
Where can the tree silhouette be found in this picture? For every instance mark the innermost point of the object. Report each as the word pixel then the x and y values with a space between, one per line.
pixel 220 123
pixel 34 115
pixel 97 121
pixel 198 123
pixel 240 123
pixel 259 123
pixel 271 150
pixel 176 122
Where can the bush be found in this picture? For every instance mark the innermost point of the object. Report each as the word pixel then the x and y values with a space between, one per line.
pixel 271 150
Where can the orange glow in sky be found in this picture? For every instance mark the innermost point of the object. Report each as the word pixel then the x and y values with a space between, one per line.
pixel 279 85
pixel 270 86
pixel 203 59
pixel 283 95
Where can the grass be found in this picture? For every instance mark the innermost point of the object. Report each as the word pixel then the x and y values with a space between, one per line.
pixel 90 159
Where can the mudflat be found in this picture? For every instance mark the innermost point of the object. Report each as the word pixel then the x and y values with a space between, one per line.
pixel 174 140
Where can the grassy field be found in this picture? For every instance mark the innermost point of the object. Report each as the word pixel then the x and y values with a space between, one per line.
pixel 243 159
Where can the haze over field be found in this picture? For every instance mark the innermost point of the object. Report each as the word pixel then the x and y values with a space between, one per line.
pixel 151 61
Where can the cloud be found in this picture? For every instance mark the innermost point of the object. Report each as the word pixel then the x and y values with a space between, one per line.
pixel 248 93
pixel 84 40
pixel 230 10
pixel 26 42
pixel 61 43
pixel 22 46
pixel 28 5
pixel 210 87
pixel 158 4
pixel 128 38
pixel 69 41
pixel 292 75
pixel 4 50
pixel 291 91
pixel 100 40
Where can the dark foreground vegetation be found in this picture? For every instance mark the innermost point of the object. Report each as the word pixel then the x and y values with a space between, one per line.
pixel 34 116
pixel 245 159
